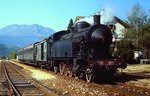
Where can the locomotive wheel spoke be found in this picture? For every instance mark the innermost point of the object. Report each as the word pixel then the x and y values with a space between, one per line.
pixel 81 75
pixel 61 69
pixel 66 71
pixel 70 73
pixel 76 75
pixel 89 75
pixel 55 69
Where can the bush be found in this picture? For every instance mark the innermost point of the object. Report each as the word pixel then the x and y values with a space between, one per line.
pixel 3 57
pixel 12 55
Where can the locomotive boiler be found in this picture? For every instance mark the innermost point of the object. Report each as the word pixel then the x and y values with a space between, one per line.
pixel 82 51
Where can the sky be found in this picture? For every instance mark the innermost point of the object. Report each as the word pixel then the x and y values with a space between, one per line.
pixel 56 14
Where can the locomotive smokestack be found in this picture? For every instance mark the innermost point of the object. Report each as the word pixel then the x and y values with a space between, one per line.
pixel 96 19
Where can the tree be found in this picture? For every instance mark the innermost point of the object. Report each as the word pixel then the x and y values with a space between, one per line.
pixel 136 38
pixel 125 49
pixel 70 24
pixel 140 31
pixel 3 57
pixel 12 55
pixel 137 16
pixel 45 39
pixel 144 40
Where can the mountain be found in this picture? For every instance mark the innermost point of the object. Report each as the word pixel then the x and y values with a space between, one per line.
pixel 23 35
pixel 5 50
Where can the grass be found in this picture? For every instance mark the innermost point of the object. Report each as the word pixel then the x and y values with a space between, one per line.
pixel 138 64
pixel 138 68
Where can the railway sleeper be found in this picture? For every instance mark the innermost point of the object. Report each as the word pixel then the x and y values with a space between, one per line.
pixel 23 85
pixel 21 82
pixel 33 94
pixel 24 80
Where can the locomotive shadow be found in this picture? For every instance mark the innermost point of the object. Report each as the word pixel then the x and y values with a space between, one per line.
pixel 104 80
pixel 126 78
pixel 122 78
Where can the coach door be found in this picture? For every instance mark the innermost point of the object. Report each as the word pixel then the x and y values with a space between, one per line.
pixel 42 51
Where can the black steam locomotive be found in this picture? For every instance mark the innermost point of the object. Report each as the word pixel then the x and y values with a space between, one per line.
pixel 84 50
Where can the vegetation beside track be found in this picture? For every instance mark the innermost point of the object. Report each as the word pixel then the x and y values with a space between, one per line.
pixel 143 68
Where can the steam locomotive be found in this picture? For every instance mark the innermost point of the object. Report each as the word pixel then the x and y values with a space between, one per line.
pixel 82 51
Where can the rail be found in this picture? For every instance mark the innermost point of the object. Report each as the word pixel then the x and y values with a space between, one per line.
pixel 29 83
pixel 15 91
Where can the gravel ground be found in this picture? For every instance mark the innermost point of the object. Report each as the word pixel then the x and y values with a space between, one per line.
pixel 66 86
pixel 3 90
pixel 140 69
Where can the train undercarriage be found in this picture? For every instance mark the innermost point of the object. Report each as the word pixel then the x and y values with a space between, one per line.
pixel 88 70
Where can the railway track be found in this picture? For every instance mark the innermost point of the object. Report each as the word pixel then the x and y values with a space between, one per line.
pixel 3 89
pixel 19 85
pixel 118 89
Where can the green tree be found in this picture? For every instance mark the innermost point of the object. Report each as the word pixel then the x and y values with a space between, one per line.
pixel 45 39
pixel 144 40
pixel 70 24
pixel 137 18
pixel 12 55
pixel 136 38
pixel 139 34
pixel 125 49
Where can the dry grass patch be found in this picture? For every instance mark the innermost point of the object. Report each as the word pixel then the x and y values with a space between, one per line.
pixel 138 68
